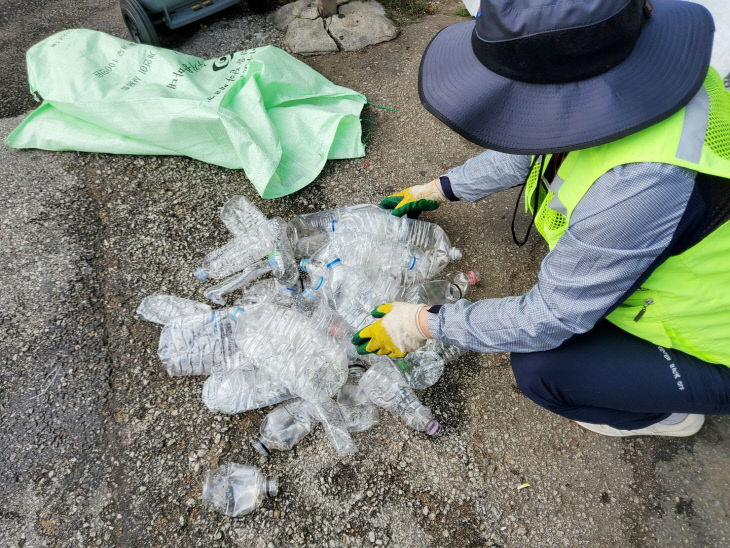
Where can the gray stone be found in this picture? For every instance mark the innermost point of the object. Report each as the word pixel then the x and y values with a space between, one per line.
pixel 360 24
pixel 368 6
pixel 301 9
pixel 327 8
pixel 308 37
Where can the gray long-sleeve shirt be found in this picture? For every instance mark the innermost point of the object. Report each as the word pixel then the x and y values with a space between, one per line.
pixel 624 221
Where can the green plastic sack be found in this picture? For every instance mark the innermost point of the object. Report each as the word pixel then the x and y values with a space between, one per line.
pixel 259 110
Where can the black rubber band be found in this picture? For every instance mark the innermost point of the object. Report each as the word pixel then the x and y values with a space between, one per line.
pixel 446 188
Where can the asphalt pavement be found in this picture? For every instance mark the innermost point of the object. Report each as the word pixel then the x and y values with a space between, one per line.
pixel 101 448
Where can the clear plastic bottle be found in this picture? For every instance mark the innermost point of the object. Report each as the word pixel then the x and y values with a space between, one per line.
pixel 323 317
pixel 310 231
pixel 241 217
pixel 249 274
pixel 359 412
pixel 423 367
pixel 386 387
pixel 163 309
pixel 199 344
pixel 242 389
pixel 285 426
pixel 304 360
pixel 253 239
pixel 433 292
pixel 407 263
pixel 245 252
pixel 284 340
pixel 235 489
pixel 386 226
pixel 350 291
pixel 270 290
pixel 283 265
pixel 234 256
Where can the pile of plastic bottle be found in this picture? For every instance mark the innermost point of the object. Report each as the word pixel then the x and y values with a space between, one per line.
pixel 306 287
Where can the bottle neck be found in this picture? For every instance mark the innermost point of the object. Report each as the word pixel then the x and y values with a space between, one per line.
pixel 271 486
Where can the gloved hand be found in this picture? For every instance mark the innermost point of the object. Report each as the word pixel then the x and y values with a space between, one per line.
pixel 415 199
pixel 396 333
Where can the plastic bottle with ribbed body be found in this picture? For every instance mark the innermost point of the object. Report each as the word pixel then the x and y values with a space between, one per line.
pixel 242 389
pixel 237 254
pixel 351 292
pixel 248 275
pixel 284 426
pixel 386 387
pixel 408 264
pixel 285 341
pixel 270 290
pixel 310 231
pixel 359 412
pixel 303 359
pixel 386 226
pixel 434 292
pixel 283 265
pixel 236 489
pixel 423 367
pixel 163 309
pixel 255 237
pixel 199 344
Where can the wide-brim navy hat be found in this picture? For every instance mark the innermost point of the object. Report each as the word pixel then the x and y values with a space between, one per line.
pixel 539 76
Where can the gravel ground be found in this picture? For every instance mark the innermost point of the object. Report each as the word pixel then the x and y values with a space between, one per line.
pixel 102 448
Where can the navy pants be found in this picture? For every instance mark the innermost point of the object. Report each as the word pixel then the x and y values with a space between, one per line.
pixel 607 376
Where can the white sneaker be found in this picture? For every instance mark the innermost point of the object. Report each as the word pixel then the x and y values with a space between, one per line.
pixel 687 427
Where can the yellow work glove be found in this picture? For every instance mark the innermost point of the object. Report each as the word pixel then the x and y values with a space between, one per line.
pixel 396 333
pixel 414 199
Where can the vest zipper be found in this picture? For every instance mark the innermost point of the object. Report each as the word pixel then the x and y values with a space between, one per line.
pixel 647 302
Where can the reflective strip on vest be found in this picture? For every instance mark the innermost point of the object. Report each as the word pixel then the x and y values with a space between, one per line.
pixel 696 118
pixel 555 203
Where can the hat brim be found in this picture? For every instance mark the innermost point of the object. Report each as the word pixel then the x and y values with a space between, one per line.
pixel 660 76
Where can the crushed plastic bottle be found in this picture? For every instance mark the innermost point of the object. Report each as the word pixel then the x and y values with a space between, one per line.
pixel 270 290
pixel 285 426
pixel 423 367
pixel 310 231
pixel 236 489
pixel 237 281
pixel 386 387
pixel 385 226
pixel 255 237
pixel 242 389
pixel 163 309
pixel 283 265
pixel 323 317
pixel 349 291
pixel 241 217
pixel 359 412
pixel 434 292
pixel 234 256
pixel 306 362
pixel 199 344
pixel 407 263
